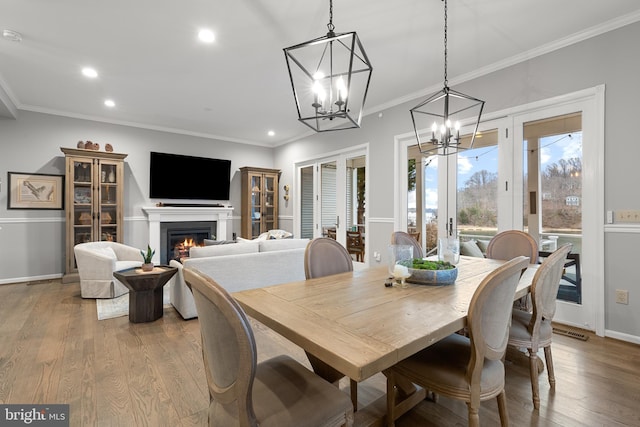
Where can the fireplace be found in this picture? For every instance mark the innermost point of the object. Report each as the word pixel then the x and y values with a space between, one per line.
pixel 176 238
pixel 158 215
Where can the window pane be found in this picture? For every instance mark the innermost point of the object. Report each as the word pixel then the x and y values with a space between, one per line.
pixel 478 188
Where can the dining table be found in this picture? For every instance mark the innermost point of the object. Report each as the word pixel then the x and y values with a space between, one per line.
pixel 361 327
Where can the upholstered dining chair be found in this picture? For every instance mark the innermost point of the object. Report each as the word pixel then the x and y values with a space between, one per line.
pixel 403 238
pixel 276 392
pixel 324 257
pixel 533 330
pixel 511 243
pixel 467 368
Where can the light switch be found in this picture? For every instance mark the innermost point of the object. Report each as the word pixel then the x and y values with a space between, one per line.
pixel 627 216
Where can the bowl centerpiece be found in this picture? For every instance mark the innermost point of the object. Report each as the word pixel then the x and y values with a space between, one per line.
pixel 426 272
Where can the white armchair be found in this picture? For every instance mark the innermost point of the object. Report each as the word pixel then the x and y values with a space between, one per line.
pixel 96 263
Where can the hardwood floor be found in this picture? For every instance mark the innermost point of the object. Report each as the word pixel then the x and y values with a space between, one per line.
pixel 115 373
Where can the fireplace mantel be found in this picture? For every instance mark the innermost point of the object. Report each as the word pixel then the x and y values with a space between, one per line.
pixel 159 214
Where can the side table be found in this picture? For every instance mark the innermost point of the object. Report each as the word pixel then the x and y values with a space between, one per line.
pixel 145 296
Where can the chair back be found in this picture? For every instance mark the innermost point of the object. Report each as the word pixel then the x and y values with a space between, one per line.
pixel 332 233
pixel 403 238
pixel 325 256
pixel 228 348
pixel 544 289
pixel 489 315
pixel 512 243
pixel 355 244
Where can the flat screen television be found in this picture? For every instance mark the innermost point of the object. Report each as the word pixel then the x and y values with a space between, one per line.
pixel 175 176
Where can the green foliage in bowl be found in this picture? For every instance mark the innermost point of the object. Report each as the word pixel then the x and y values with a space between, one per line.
pixel 424 264
pixel 425 272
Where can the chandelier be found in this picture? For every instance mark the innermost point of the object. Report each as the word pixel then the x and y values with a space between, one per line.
pixel 442 112
pixel 330 78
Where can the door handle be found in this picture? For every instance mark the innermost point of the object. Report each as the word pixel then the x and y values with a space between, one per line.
pixel 337 222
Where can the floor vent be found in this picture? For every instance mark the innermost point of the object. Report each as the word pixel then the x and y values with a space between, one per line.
pixel 571 334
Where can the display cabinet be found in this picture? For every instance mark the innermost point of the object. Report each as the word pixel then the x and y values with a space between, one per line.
pixel 259 201
pixel 93 200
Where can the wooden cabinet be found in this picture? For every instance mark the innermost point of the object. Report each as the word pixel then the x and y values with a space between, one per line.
pixel 259 201
pixel 93 200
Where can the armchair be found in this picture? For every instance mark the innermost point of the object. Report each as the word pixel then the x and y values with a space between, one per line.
pixel 96 263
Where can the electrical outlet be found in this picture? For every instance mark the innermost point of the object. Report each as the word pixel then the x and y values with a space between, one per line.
pixel 622 296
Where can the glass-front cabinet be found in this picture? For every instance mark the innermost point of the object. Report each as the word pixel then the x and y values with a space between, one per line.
pixel 259 201
pixel 94 198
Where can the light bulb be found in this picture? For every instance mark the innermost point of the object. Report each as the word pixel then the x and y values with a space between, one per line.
pixel 342 89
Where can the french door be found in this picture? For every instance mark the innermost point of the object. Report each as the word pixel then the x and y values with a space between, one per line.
pixel 524 172
pixel 332 194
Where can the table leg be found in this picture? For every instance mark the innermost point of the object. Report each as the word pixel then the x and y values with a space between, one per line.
pixel 145 306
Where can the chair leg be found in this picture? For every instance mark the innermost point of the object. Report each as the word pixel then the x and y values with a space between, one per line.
pixel 549 360
pixel 533 372
pixel 502 409
pixel 474 417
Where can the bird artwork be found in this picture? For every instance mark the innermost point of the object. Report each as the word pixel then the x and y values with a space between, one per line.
pixel 39 193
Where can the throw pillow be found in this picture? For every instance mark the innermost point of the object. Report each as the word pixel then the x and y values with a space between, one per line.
pixel 470 248
pixel 482 244
pixel 279 234
pixel 209 242
pixel 219 250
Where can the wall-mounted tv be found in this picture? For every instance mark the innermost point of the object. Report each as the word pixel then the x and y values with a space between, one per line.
pixel 175 176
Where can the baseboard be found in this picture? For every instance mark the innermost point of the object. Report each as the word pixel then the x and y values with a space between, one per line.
pixel 622 337
pixel 14 280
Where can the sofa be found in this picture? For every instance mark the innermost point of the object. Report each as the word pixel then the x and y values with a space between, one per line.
pixel 96 263
pixel 239 266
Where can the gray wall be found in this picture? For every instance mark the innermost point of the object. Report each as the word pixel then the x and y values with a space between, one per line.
pixel 32 242
pixel 606 59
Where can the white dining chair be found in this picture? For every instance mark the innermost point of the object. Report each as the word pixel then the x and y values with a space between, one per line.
pixel 533 330
pixel 468 368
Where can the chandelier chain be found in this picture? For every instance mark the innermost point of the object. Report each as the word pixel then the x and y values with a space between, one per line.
pixel 446 80
pixel 330 25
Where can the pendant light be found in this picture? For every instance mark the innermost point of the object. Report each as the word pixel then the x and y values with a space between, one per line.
pixel 330 78
pixel 441 114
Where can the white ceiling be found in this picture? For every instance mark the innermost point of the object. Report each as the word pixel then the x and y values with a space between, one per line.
pixel 151 64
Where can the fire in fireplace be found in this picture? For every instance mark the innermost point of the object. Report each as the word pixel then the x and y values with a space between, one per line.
pixel 178 238
pixel 181 249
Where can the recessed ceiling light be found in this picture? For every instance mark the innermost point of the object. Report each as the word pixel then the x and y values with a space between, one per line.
pixel 109 103
pixel 89 72
pixel 206 36
pixel 11 35
pixel 271 133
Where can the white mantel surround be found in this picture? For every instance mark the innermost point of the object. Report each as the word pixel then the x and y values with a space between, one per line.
pixel 159 214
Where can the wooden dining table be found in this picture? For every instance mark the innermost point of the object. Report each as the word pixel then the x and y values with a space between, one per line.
pixel 355 324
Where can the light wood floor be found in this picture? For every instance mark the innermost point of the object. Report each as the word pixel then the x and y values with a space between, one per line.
pixel 115 373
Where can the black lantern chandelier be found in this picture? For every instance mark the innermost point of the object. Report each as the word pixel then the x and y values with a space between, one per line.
pixel 330 78
pixel 441 114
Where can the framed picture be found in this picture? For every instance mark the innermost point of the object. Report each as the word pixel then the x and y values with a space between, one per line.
pixel 35 191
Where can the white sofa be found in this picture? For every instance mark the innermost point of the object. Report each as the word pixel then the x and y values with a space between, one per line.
pixel 239 266
pixel 96 263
